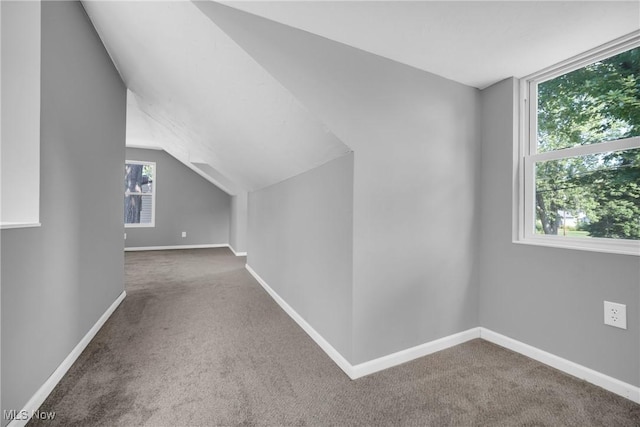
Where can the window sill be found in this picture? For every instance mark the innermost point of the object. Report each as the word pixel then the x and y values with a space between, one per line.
pixel 622 247
pixel 139 225
pixel 7 225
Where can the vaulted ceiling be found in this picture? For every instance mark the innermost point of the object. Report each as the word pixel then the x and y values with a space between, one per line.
pixel 194 92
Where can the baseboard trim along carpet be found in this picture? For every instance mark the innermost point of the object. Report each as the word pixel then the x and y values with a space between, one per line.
pixel 409 354
pixel 237 253
pixel 169 248
pixel 43 392
pixel 319 339
pixel 609 383
pixel 375 365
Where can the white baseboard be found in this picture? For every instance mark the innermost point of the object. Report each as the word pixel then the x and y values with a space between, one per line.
pixel 237 253
pixel 167 248
pixel 611 384
pixel 319 339
pixel 43 392
pixel 409 354
pixel 375 365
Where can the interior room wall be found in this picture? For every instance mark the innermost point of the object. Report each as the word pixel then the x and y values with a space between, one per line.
pixel 184 202
pixel 549 298
pixel 416 138
pixel 300 243
pixel 238 225
pixel 60 278
pixel 21 111
pixel 415 211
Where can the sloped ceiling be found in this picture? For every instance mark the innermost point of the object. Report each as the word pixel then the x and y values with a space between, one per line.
pixel 199 96
pixel 476 43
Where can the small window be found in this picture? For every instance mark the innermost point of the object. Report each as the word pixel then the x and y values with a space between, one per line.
pixel 139 194
pixel 580 156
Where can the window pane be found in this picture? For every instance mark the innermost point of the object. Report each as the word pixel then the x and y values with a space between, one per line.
pixel 147 178
pixel 590 196
pixel 138 178
pixel 138 193
pixel 596 103
pixel 138 209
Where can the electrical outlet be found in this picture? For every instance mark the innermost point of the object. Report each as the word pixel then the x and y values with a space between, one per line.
pixel 184 234
pixel 615 314
pixel 125 236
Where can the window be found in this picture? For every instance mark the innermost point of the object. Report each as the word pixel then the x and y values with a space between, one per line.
pixel 139 194
pixel 580 152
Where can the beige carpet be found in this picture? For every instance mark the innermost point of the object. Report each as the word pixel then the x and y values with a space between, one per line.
pixel 198 342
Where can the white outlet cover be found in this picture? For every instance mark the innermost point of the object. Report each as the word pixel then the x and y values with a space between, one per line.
pixel 184 234
pixel 615 314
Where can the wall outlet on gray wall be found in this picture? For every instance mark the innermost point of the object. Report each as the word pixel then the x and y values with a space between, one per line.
pixel 184 234
pixel 615 314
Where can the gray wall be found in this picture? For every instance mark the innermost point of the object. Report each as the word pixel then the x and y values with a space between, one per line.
pixel 184 202
pixel 58 279
pixel 549 298
pixel 238 224
pixel 20 77
pixel 300 242
pixel 417 151
pixel 416 139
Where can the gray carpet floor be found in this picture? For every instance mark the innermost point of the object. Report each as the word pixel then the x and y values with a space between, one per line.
pixel 198 342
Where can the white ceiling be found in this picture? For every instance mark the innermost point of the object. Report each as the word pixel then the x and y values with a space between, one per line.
pixel 195 93
pixel 476 43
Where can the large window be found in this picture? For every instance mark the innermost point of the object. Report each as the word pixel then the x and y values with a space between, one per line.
pixel 580 154
pixel 139 194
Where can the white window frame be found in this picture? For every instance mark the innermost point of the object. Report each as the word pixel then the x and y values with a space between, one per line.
pixel 153 194
pixel 527 157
